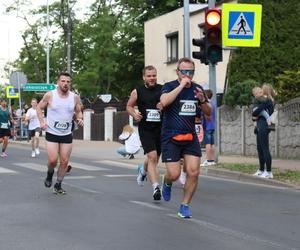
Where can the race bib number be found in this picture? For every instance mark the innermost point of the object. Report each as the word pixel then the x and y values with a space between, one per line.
pixel 61 125
pixel 4 125
pixel 187 108
pixel 153 115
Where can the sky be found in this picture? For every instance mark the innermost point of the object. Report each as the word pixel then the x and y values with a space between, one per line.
pixel 12 27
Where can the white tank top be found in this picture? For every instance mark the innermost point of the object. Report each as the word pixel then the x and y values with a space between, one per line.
pixel 60 114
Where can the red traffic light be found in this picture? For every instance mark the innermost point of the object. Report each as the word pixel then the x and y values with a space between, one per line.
pixel 213 17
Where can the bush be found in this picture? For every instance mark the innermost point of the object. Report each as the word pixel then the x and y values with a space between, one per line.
pixel 240 93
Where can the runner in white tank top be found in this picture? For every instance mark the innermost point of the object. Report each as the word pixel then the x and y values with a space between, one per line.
pixel 61 105
pixel 34 128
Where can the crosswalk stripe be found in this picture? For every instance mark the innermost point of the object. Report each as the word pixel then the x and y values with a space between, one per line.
pixel 32 166
pixel 87 167
pixel 6 171
pixel 43 168
pixel 118 164
pixel 119 175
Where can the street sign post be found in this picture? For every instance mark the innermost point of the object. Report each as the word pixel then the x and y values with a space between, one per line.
pixel 38 87
pixel 241 25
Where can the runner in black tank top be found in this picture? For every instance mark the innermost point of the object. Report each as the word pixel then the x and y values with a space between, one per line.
pixel 147 98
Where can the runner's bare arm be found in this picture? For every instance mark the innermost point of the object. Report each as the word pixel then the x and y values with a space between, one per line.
pixel 132 102
pixel 78 111
pixel 42 105
pixel 167 98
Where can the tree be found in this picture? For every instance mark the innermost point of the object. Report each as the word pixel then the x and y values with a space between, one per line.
pixel 241 94
pixel 288 85
pixel 279 50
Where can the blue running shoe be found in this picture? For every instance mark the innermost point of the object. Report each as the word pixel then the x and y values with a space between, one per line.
pixel 184 211
pixel 166 191
pixel 141 177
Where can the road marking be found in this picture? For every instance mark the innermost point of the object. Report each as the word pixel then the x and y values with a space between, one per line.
pixel 87 167
pixel 80 177
pixel 83 189
pixel 32 166
pixel 236 234
pixel 6 171
pixel 120 175
pixel 150 205
pixel 118 164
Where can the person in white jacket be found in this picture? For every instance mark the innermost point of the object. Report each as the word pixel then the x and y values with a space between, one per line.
pixel 131 140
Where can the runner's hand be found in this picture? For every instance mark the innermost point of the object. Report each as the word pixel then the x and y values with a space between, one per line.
pixel 80 122
pixel 199 95
pixel 43 126
pixel 137 116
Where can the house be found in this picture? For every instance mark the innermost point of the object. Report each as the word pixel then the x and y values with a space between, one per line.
pixel 164 45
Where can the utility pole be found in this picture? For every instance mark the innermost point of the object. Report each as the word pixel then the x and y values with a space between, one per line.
pixel 47 45
pixel 69 40
pixel 186 7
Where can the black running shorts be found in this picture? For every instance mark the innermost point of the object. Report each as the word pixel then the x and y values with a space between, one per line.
pixel 4 132
pixel 59 138
pixel 150 140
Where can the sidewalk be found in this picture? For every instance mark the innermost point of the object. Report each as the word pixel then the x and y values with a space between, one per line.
pixel 106 150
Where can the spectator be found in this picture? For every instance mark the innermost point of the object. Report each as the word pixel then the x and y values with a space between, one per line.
pixel 131 140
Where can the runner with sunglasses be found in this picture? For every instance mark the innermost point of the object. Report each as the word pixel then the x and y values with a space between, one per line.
pixel 181 100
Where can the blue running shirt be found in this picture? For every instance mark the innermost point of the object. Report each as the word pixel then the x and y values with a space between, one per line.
pixel 179 116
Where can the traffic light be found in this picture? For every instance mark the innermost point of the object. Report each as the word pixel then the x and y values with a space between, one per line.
pixel 201 55
pixel 213 41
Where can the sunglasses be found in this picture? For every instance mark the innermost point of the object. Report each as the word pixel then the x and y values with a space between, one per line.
pixel 187 71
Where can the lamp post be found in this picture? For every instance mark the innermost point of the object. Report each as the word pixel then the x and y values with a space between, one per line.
pixel 69 40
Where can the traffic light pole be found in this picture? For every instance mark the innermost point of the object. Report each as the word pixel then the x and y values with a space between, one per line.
pixel 186 5
pixel 213 87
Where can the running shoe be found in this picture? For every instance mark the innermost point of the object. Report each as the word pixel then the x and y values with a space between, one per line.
pixel 166 191
pixel 131 156
pixel 267 175
pixel 58 189
pixel 48 180
pixel 33 154
pixel 258 173
pixel 141 177
pixel 157 194
pixel 184 211
pixel 182 177
pixel 3 154
pixel 37 151
pixel 204 164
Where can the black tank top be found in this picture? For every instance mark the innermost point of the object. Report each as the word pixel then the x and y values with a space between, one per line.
pixel 147 99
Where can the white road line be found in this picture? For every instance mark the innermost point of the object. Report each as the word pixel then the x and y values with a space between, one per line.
pixel 79 177
pixel 233 233
pixel 86 167
pixel 118 164
pixel 32 166
pixel 150 205
pixel 120 175
pixel 6 171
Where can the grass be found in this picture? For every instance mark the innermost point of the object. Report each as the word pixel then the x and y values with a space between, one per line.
pixel 287 176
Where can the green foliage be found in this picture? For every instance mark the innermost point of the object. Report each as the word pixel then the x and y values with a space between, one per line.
pixel 279 50
pixel 240 94
pixel 288 85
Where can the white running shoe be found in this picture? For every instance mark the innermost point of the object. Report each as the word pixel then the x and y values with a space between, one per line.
pixel 141 178
pixel 267 175
pixel 182 177
pixel 33 154
pixel 37 151
pixel 3 154
pixel 211 163
pixel 258 173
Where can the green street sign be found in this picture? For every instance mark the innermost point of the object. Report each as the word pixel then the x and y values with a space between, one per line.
pixel 38 87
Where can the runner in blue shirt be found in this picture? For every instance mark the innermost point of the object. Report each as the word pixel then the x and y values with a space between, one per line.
pixel 181 100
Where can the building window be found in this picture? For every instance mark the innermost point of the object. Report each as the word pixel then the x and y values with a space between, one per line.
pixel 172 47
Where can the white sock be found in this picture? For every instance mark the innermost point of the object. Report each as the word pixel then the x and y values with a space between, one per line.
pixel 155 185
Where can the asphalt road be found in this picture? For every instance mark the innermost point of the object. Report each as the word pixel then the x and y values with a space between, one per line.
pixel 105 209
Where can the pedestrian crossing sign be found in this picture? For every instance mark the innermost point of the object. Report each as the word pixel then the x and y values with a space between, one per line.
pixel 241 25
pixel 12 92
